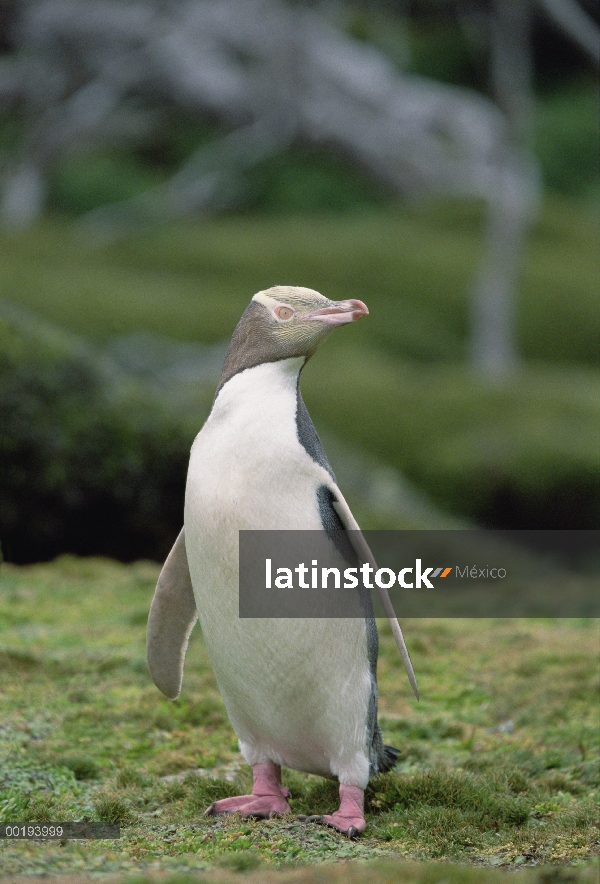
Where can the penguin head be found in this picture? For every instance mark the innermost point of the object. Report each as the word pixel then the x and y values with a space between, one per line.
pixel 292 307
pixel 284 322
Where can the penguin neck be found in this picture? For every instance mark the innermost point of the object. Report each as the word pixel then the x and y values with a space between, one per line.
pixel 265 392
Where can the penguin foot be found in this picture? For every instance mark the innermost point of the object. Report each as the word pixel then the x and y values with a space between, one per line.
pixel 351 826
pixel 350 818
pixel 250 806
pixel 268 798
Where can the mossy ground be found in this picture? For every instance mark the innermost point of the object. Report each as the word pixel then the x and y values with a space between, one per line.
pixel 498 766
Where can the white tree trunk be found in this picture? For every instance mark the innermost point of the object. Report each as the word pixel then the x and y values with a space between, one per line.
pixel 512 200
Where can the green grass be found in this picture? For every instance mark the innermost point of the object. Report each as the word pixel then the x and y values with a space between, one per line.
pixel 396 386
pixel 566 139
pixel 522 454
pixel 499 763
pixel 414 268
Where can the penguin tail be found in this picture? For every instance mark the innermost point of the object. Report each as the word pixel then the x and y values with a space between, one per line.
pixel 390 758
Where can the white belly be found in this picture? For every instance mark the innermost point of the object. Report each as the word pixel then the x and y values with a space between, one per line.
pixel 296 691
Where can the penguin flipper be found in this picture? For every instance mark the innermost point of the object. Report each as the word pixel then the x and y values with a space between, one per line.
pixel 362 550
pixel 171 620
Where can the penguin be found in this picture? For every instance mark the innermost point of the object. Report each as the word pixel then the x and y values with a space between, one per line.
pixel 301 693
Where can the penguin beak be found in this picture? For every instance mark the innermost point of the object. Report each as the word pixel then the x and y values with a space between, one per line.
pixel 340 312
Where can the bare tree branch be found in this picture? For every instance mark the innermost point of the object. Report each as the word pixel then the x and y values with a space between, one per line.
pixel 262 62
pixel 511 204
pixel 102 71
pixel 576 23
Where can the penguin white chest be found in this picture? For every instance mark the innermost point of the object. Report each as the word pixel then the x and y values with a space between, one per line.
pixel 247 466
pixel 296 691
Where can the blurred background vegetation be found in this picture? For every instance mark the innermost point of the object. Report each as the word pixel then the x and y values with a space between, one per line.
pixel 111 345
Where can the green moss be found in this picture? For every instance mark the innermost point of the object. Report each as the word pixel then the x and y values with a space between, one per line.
pixel 83 767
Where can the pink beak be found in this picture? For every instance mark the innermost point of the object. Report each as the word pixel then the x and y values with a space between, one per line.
pixel 340 312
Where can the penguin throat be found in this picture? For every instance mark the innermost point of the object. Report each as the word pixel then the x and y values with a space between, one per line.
pixel 260 383
pixel 254 343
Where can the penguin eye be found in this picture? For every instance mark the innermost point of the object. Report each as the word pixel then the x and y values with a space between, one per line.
pixel 284 313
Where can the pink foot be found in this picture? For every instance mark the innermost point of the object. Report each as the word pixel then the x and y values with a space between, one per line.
pixel 349 819
pixel 268 798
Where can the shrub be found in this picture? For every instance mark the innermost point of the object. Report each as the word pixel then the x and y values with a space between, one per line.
pixel 93 463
